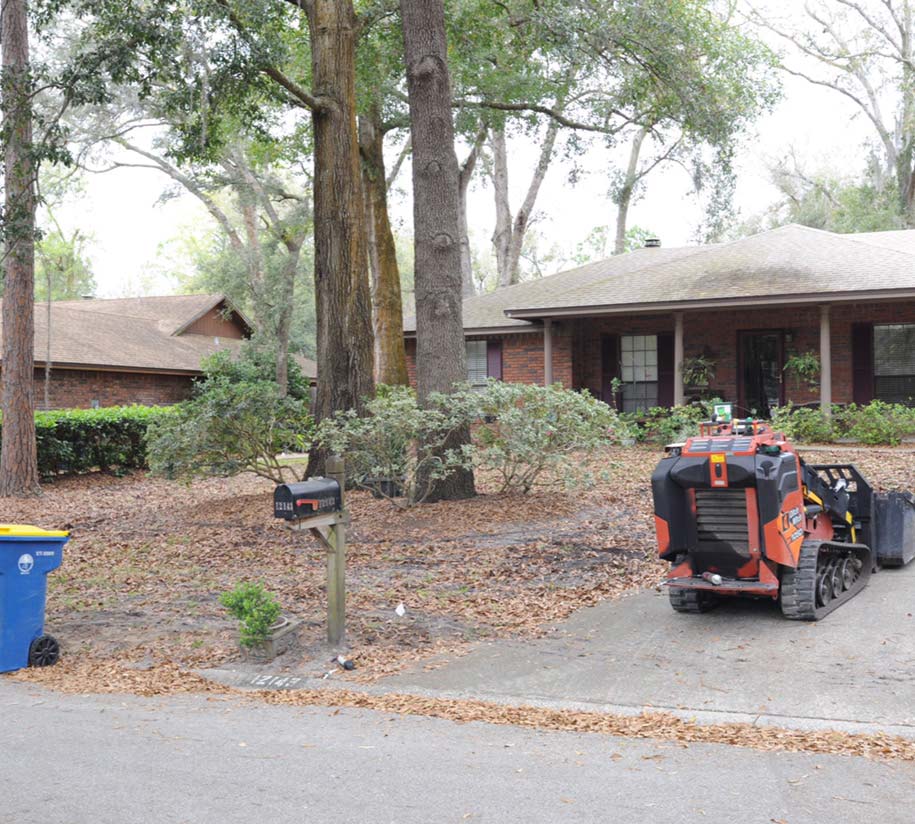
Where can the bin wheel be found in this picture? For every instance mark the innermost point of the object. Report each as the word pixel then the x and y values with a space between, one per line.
pixel 44 651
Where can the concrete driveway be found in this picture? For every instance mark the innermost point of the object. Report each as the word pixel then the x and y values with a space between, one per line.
pixel 854 670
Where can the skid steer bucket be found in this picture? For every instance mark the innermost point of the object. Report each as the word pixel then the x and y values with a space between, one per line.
pixel 894 519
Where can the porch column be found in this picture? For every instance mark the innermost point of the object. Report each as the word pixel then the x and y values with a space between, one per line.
pixel 825 361
pixel 548 352
pixel 678 359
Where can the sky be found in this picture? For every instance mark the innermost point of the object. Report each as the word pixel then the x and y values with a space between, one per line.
pixel 131 229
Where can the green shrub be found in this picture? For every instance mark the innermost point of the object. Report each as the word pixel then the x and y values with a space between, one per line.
pixel 397 440
pixel 72 441
pixel 518 430
pixel 876 423
pixel 235 422
pixel 255 608
pixel 662 425
pixel 534 431
pixel 803 423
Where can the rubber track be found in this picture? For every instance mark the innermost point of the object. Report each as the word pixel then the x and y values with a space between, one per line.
pixel 692 601
pixel 798 589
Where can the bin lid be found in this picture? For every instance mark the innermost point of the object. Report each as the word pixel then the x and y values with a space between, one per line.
pixel 27 531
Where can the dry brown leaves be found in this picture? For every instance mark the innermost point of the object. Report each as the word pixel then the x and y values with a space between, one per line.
pixel 653 725
pixel 168 679
pixel 148 559
pixel 96 676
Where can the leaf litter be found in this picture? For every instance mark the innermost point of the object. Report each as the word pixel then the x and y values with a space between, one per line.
pixel 135 603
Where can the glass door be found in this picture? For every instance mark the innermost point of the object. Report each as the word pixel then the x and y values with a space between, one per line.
pixel 761 364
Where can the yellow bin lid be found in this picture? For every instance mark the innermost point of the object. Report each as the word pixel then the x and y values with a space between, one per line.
pixel 27 531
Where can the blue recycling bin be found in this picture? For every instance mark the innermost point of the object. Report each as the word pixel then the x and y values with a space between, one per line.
pixel 27 555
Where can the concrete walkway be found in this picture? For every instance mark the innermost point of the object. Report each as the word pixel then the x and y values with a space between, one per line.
pixel 190 760
pixel 855 670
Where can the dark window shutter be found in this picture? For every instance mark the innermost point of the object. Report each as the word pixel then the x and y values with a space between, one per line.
pixel 494 359
pixel 609 366
pixel 862 362
pixel 665 370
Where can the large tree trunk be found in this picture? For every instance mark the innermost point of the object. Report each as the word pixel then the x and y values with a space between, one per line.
pixel 284 313
pixel 18 454
pixel 440 356
pixel 502 235
pixel 522 219
pixel 624 196
pixel 508 237
pixel 343 306
pixel 464 178
pixel 390 352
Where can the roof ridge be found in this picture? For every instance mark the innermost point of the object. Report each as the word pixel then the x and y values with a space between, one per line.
pixel 56 304
pixel 141 297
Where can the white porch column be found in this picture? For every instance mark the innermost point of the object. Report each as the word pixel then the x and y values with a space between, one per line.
pixel 678 359
pixel 825 361
pixel 548 352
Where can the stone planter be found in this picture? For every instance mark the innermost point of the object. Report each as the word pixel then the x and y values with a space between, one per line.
pixel 282 638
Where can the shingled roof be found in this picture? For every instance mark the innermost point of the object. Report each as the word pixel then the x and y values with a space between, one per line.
pixel 148 334
pixel 789 264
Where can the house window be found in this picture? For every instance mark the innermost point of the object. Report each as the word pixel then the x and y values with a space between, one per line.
pixel 639 371
pixel 477 368
pixel 894 363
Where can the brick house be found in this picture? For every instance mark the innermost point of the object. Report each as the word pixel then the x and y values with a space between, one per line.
pixel 747 305
pixel 131 350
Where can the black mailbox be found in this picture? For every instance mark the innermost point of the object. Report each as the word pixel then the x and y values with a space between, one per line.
pixel 316 496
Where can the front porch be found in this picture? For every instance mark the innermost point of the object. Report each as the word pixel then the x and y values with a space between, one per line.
pixel 866 351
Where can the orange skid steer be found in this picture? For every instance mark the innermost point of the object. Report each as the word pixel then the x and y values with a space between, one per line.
pixel 739 513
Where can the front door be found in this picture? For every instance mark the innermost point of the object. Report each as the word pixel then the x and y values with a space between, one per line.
pixel 761 362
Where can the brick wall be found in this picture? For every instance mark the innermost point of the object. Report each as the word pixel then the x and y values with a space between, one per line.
pixel 577 344
pixel 522 355
pixel 78 388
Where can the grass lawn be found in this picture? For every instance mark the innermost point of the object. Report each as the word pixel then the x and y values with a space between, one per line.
pixel 149 558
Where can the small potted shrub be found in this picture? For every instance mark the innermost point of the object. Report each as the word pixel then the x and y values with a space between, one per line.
pixel 264 632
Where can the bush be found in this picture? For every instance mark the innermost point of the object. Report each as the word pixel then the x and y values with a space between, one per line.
pixel 518 430
pixel 803 423
pixel 235 422
pixel 876 423
pixel 255 608
pixel 662 425
pixel 72 441
pixel 531 430
pixel 398 441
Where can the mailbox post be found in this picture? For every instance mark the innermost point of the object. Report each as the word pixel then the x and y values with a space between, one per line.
pixel 336 560
pixel 317 505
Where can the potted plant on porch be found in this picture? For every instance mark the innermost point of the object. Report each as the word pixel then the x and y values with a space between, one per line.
pixel 264 632
pixel 804 367
pixel 698 372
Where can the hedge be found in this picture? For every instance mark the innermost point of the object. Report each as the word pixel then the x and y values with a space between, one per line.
pixel 71 441
pixel 876 423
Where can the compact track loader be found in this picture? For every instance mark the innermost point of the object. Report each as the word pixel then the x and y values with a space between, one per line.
pixel 739 513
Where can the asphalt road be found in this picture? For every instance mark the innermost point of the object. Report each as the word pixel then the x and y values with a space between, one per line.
pixel 99 759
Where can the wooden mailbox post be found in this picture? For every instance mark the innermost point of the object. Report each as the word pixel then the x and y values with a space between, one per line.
pixel 330 530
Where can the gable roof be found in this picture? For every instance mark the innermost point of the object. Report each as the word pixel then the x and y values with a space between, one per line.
pixel 487 311
pixel 133 334
pixel 790 264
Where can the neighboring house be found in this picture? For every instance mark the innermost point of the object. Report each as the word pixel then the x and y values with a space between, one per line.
pixel 131 350
pixel 747 305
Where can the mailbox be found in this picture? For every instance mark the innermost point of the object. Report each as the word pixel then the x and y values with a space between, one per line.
pixel 316 496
